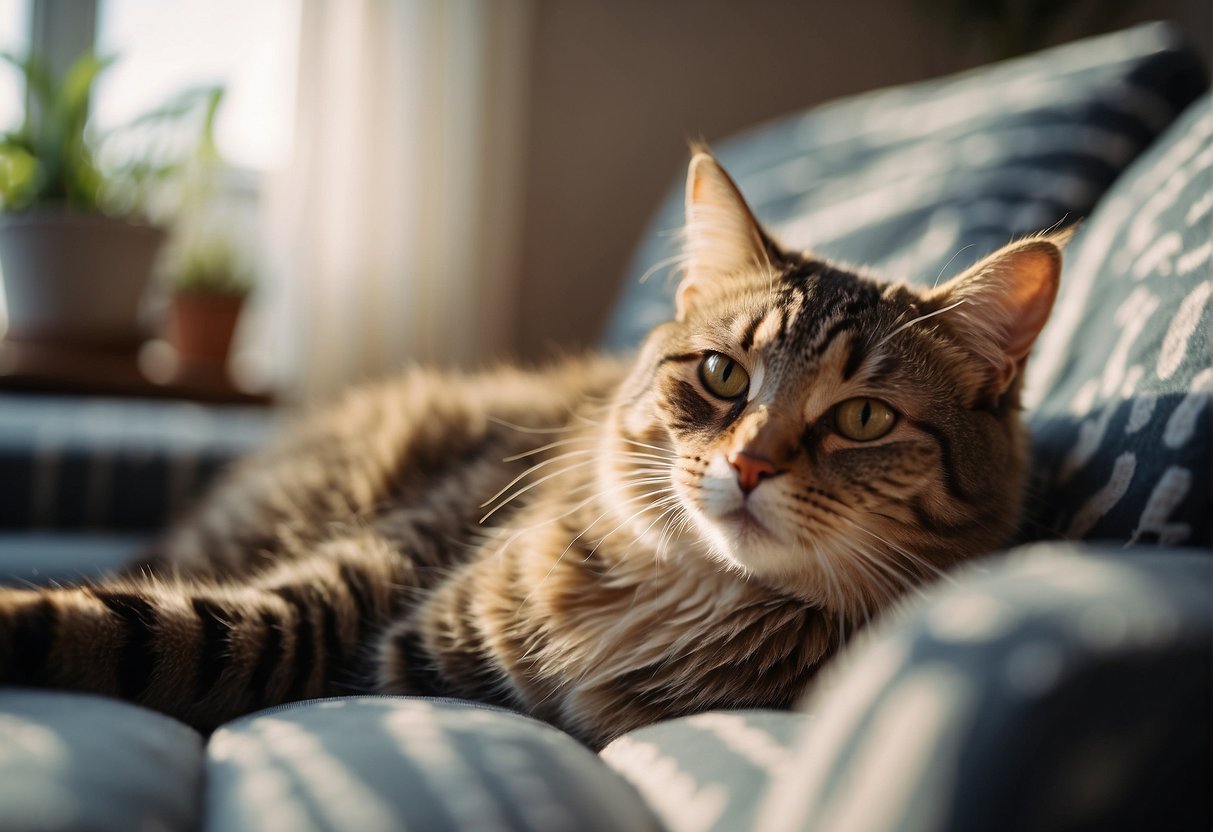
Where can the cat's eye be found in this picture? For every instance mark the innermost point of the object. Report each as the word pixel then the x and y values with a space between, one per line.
pixel 864 419
pixel 723 376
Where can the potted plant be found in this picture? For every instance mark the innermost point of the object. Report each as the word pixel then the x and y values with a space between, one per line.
pixel 208 290
pixel 76 245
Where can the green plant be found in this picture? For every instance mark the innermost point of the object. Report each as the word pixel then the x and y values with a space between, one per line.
pixel 214 267
pixel 56 157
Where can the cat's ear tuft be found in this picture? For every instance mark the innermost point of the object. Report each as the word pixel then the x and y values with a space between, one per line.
pixel 1003 302
pixel 721 235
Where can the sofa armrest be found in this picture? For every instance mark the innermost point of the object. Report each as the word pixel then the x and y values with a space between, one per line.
pixel 1059 687
pixel 74 464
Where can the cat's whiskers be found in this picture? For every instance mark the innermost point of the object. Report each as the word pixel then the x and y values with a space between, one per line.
pixel 673 529
pixel 596 456
pixel 913 321
pixel 624 455
pixel 579 417
pixel 883 576
pixel 833 586
pixel 893 549
pixel 672 504
pixel 581 534
pixel 913 559
pixel 497 420
pixel 535 484
pixel 591 440
pixel 537 466
pixel 665 452
pixel 939 276
pixel 906 578
pixel 558 443
pixel 680 259
pixel 629 482
pixel 669 504
pixel 878 573
pixel 670 495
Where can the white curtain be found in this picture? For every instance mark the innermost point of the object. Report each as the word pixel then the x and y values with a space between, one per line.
pixel 393 232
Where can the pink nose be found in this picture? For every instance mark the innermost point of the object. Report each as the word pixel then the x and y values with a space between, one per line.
pixel 751 470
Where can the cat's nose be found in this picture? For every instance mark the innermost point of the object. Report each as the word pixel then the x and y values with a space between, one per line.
pixel 751 469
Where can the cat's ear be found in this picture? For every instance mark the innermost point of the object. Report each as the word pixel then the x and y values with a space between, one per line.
pixel 721 235
pixel 1002 303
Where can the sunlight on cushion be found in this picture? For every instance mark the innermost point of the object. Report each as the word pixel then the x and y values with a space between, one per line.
pixel 970 617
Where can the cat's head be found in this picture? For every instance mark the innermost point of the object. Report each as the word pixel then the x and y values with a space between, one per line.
pixel 832 434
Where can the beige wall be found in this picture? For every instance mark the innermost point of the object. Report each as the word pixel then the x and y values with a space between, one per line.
pixel 619 86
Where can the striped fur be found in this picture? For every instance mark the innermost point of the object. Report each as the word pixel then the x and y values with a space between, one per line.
pixel 575 542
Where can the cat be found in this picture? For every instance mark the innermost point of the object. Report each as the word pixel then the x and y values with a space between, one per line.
pixel 606 542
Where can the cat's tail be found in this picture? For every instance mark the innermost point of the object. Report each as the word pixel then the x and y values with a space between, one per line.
pixel 206 653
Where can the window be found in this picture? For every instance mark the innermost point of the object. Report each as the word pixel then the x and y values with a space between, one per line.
pixel 14 38
pixel 165 46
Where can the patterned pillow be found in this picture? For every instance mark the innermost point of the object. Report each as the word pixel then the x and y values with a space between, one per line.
pixel 1058 687
pixel 397 762
pixel 924 179
pixel 708 771
pixel 1122 380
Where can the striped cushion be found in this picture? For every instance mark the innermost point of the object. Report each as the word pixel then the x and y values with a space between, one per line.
pixel 74 761
pixel 371 763
pixel 1059 688
pixel 708 771
pixel 111 464
pixel 1122 380
pixel 923 180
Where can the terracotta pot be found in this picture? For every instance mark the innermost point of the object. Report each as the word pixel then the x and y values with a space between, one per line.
pixel 201 326
pixel 75 278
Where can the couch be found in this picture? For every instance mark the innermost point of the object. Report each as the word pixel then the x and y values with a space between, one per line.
pixel 1063 684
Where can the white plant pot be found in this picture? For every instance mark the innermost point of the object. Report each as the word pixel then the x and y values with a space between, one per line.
pixel 75 278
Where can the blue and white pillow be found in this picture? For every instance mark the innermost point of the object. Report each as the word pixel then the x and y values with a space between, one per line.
pixel 1122 378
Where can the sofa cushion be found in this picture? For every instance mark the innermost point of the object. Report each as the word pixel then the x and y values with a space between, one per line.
pixel 708 771
pixel 1121 383
pixel 923 180
pixel 42 559
pixel 115 464
pixel 1060 687
pixel 74 761
pixel 400 763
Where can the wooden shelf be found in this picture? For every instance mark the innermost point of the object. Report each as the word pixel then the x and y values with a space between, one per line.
pixel 111 370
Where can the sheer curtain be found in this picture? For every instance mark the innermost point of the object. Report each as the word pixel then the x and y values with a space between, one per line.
pixel 392 234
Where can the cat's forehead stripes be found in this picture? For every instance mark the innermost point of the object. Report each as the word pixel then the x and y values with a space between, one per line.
pixel 813 305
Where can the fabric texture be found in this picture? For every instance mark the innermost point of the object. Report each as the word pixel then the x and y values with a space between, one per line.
pixel 75 762
pixel 113 464
pixel 708 771
pixel 1122 380
pixel 40 559
pixel 385 763
pixel 921 181
pixel 1061 688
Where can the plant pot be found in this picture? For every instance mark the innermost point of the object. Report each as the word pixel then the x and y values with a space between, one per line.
pixel 201 326
pixel 75 278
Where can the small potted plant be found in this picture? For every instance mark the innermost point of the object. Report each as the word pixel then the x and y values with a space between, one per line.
pixel 208 290
pixel 76 246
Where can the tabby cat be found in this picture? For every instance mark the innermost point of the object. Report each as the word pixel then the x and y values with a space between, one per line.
pixel 600 544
